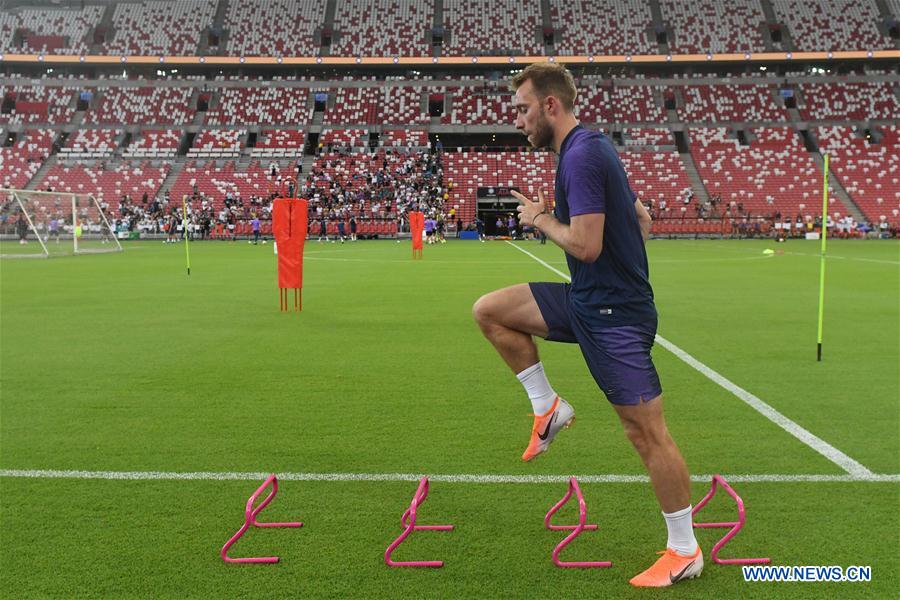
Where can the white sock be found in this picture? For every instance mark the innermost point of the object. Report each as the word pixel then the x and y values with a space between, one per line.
pixel 681 531
pixel 538 388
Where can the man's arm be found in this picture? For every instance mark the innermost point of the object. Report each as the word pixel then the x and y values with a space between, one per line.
pixel 583 238
pixel 644 219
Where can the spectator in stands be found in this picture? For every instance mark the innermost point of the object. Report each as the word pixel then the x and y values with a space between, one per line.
pixel 607 308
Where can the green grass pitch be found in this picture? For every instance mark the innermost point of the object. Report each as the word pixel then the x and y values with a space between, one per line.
pixel 121 362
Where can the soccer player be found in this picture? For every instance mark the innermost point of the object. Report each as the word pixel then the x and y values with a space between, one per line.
pixel 607 309
pixel 54 229
pixel 255 225
pixel 429 230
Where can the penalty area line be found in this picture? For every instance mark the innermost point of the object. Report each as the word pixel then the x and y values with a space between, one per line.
pixel 837 457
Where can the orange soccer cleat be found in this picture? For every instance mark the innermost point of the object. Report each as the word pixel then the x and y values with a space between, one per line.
pixel 546 426
pixel 670 568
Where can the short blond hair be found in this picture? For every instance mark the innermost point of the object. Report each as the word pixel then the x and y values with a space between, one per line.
pixel 549 79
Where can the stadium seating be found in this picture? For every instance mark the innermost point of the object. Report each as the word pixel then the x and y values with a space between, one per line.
pixel 619 104
pixel 731 103
pixel 353 106
pixel 274 27
pixel 264 106
pixel 477 106
pixel 49 30
pixel 469 170
pixel 356 138
pixel 490 27
pixel 648 136
pixel 143 106
pixel 152 143
pixel 214 182
pixel 107 184
pixel 160 27
pixel 91 143
pixel 404 138
pixel 402 106
pixel 279 143
pixel 870 172
pixel 39 104
pixel 705 26
pixel 389 105
pixel 217 143
pixel 848 101
pixel 19 162
pixel 660 175
pixel 774 173
pixel 598 27
pixel 398 30
pixel 832 24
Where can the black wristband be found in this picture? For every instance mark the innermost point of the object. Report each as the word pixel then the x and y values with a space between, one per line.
pixel 534 220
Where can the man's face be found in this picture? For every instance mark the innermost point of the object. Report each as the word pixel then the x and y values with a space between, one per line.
pixel 530 117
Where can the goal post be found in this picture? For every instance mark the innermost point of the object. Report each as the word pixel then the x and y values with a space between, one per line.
pixel 41 224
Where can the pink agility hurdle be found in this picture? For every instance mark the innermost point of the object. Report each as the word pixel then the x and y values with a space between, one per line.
pixel 576 529
pixel 408 522
pixel 250 519
pixel 736 526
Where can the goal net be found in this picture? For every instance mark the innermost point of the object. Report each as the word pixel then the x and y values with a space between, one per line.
pixel 36 224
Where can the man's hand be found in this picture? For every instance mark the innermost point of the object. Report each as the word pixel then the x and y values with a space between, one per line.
pixel 529 209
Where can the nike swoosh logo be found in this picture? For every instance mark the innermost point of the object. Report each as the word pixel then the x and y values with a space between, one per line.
pixel 680 575
pixel 544 435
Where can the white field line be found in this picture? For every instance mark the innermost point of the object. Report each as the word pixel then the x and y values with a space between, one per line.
pixel 400 477
pixel 854 258
pixel 725 248
pixel 816 443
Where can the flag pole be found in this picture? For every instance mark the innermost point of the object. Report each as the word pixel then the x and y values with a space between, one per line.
pixel 822 261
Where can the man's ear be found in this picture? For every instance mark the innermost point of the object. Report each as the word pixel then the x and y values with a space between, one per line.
pixel 552 105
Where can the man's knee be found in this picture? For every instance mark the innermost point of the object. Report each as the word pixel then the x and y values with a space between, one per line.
pixel 483 310
pixel 646 429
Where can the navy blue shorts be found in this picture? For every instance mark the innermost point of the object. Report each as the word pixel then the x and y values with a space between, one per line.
pixel 618 357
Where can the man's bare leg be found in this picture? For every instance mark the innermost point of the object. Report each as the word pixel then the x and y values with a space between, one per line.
pixel 645 427
pixel 509 318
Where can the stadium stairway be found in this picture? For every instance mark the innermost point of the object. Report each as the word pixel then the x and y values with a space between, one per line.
pixel 40 173
pixel 659 25
pixel 886 16
pixel 218 24
pixel 328 25
pixel 771 21
pixel 176 169
pixel 700 191
pixel 835 184
pixel 105 24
